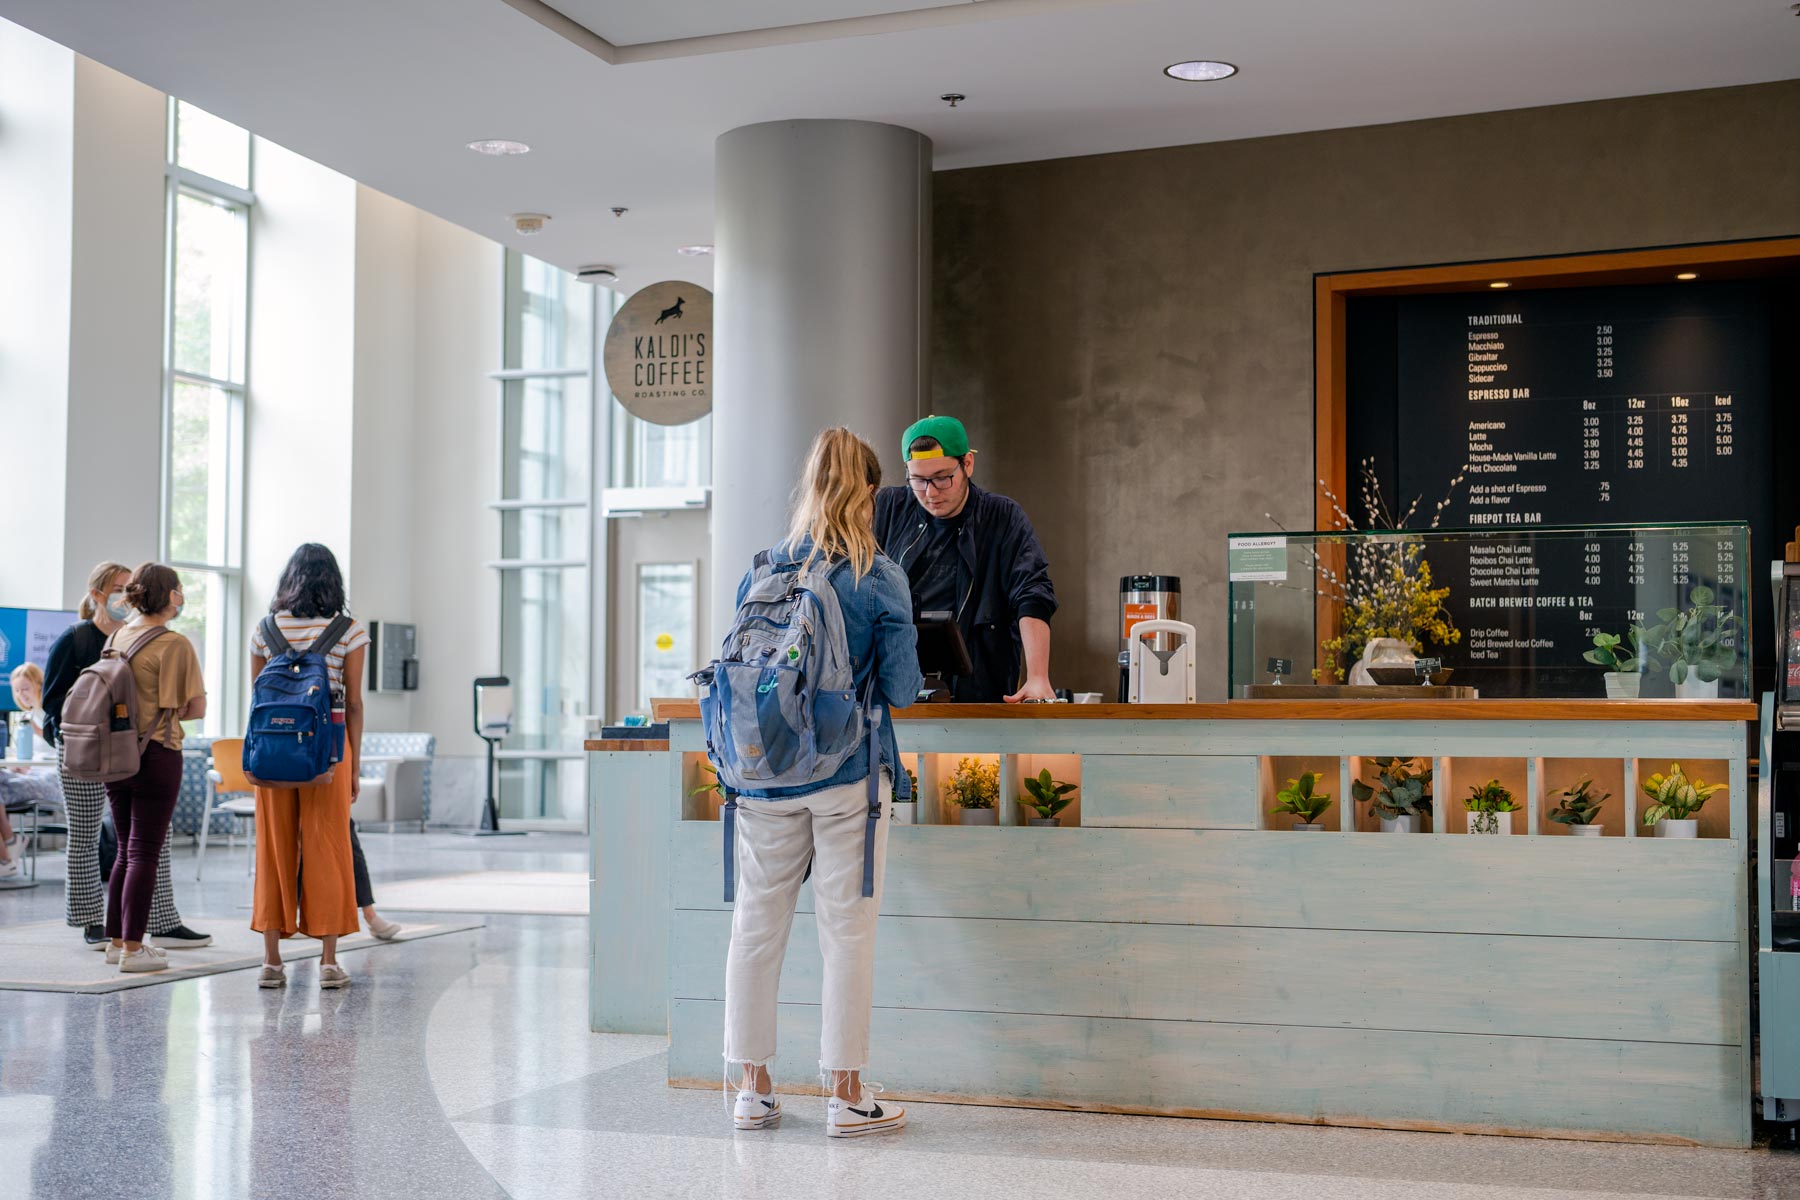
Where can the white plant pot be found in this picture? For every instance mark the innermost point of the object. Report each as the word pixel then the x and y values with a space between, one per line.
pixel 1622 686
pixel 1309 829
pixel 1587 830
pixel 906 812
pixel 1678 829
pixel 1381 652
pixel 1045 822
pixel 978 816
pixel 1490 823
pixel 1400 824
pixel 1694 688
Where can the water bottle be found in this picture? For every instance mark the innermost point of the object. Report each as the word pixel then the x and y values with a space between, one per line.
pixel 27 737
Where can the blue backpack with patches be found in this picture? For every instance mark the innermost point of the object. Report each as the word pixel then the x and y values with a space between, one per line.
pixel 779 704
pixel 291 740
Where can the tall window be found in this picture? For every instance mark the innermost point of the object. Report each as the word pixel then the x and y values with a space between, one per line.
pixel 204 383
pixel 546 490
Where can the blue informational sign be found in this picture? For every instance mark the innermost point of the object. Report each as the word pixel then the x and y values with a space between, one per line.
pixel 26 635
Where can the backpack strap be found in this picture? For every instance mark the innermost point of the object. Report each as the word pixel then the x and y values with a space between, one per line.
pixel 156 631
pixel 728 818
pixel 869 827
pixel 166 719
pixel 273 638
pixel 328 637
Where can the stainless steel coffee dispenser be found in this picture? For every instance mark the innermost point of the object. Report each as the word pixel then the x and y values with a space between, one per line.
pixel 1145 598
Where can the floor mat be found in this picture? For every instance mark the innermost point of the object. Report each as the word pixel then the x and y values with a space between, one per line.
pixel 549 893
pixel 49 956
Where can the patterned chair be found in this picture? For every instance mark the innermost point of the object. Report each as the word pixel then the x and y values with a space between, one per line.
pixel 190 806
pixel 388 775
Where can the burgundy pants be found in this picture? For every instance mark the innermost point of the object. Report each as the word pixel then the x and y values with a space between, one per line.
pixel 142 807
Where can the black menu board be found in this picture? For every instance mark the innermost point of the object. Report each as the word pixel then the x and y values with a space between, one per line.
pixel 1633 406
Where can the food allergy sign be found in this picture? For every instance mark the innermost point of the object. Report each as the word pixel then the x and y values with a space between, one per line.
pixel 1257 559
pixel 659 353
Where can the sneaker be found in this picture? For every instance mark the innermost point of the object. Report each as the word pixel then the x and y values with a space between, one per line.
pixel 15 846
pixel 144 958
pixel 333 976
pixel 113 952
pixel 95 937
pixel 9 868
pixel 866 1115
pixel 756 1111
pixel 181 938
pixel 272 975
pixel 384 929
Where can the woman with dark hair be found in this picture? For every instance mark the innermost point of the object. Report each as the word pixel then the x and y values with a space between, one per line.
pixel 319 888
pixel 171 689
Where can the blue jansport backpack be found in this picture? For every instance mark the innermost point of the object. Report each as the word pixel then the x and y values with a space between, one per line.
pixel 291 740
pixel 780 707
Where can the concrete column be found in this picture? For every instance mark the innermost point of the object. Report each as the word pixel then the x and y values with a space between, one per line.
pixel 821 313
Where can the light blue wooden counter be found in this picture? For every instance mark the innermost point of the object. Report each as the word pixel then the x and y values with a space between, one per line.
pixel 1177 954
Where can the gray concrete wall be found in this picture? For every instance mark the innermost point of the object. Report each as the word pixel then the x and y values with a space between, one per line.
pixel 1129 336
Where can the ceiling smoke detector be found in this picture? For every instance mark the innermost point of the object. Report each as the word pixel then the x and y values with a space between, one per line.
pixel 499 147
pixel 598 276
pixel 527 224
pixel 953 98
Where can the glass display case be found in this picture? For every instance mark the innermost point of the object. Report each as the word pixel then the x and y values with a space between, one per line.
pixel 1511 612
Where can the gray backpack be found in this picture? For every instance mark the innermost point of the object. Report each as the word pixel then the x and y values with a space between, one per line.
pixel 780 707
pixel 101 743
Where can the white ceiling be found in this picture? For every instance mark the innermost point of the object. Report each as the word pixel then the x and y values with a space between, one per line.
pixel 389 91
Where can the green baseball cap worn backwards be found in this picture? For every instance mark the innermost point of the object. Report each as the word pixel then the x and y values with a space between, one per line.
pixel 948 432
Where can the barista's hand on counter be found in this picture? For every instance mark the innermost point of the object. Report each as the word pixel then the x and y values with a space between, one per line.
pixel 1034 689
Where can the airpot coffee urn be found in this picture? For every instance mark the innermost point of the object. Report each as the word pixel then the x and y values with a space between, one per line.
pixel 1145 598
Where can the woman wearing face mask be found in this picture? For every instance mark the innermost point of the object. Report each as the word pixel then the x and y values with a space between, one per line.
pixel 170 689
pixel 103 610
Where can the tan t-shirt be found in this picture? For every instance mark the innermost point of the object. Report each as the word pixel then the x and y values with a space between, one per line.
pixel 168 675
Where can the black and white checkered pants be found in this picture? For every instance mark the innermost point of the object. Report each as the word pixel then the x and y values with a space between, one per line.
pixel 85 801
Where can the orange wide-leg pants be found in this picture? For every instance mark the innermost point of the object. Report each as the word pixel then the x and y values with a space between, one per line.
pixel 303 861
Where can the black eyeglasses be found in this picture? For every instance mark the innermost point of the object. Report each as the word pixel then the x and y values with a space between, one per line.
pixel 941 483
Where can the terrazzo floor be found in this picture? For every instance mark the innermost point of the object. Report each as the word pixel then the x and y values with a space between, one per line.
pixel 460 1066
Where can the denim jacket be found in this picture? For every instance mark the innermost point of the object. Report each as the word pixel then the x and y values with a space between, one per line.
pixel 878 623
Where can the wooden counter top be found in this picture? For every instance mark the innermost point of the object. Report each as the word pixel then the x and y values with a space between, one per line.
pixel 1312 710
pixel 631 743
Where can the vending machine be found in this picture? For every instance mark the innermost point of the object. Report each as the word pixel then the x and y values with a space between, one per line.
pixel 1778 882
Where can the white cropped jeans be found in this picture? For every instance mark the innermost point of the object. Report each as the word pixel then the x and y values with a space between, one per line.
pixel 775 839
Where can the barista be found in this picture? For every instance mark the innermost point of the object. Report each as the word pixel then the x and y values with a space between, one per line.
pixel 972 554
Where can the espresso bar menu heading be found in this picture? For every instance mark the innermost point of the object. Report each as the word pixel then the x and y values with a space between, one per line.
pixel 1616 406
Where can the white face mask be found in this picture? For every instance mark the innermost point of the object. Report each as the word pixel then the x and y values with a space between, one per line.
pixel 117 608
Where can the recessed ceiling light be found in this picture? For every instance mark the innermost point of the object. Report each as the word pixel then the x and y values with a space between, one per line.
pixel 528 224
pixel 1500 283
pixel 1688 275
pixel 500 147
pixel 694 251
pixel 1200 71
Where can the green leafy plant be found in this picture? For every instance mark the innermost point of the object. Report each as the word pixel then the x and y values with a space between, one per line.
pixel 714 786
pixel 1048 796
pixel 1402 787
pixel 975 784
pixel 1299 799
pixel 1618 655
pixel 1490 797
pixel 1693 640
pixel 1578 805
pixel 914 793
pixel 1677 797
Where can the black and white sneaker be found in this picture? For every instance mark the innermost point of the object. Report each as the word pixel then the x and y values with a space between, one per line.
pixel 866 1115
pixel 181 938
pixel 754 1111
pixel 95 937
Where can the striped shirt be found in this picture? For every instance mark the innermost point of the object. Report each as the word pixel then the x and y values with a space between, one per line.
pixel 301 634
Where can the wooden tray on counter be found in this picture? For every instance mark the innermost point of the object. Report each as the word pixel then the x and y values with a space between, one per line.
pixel 1346 691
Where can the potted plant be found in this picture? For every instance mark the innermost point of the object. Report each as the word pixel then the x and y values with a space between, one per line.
pixel 1300 800
pixel 1490 808
pixel 1623 660
pixel 1578 807
pixel 1699 643
pixel 975 789
pixel 1401 793
pixel 906 812
pixel 1047 797
pixel 1677 798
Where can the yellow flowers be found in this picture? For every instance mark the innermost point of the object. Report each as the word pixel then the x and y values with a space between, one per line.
pixel 1401 604
pixel 1677 797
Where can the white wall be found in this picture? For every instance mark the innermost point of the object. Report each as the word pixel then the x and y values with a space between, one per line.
pixel 114 483
pixel 37 106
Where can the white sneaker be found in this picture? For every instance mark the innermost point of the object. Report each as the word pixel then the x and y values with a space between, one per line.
pixel 113 951
pixel 333 976
pixel 272 975
pixel 384 929
pixel 9 868
pixel 866 1115
pixel 756 1110
pixel 144 958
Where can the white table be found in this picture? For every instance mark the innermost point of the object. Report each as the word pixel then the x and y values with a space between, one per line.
pixel 16 884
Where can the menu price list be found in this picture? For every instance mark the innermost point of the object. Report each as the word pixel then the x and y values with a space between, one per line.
pixel 1635 406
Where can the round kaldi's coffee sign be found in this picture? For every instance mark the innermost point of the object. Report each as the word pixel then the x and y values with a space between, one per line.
pixel 659 353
